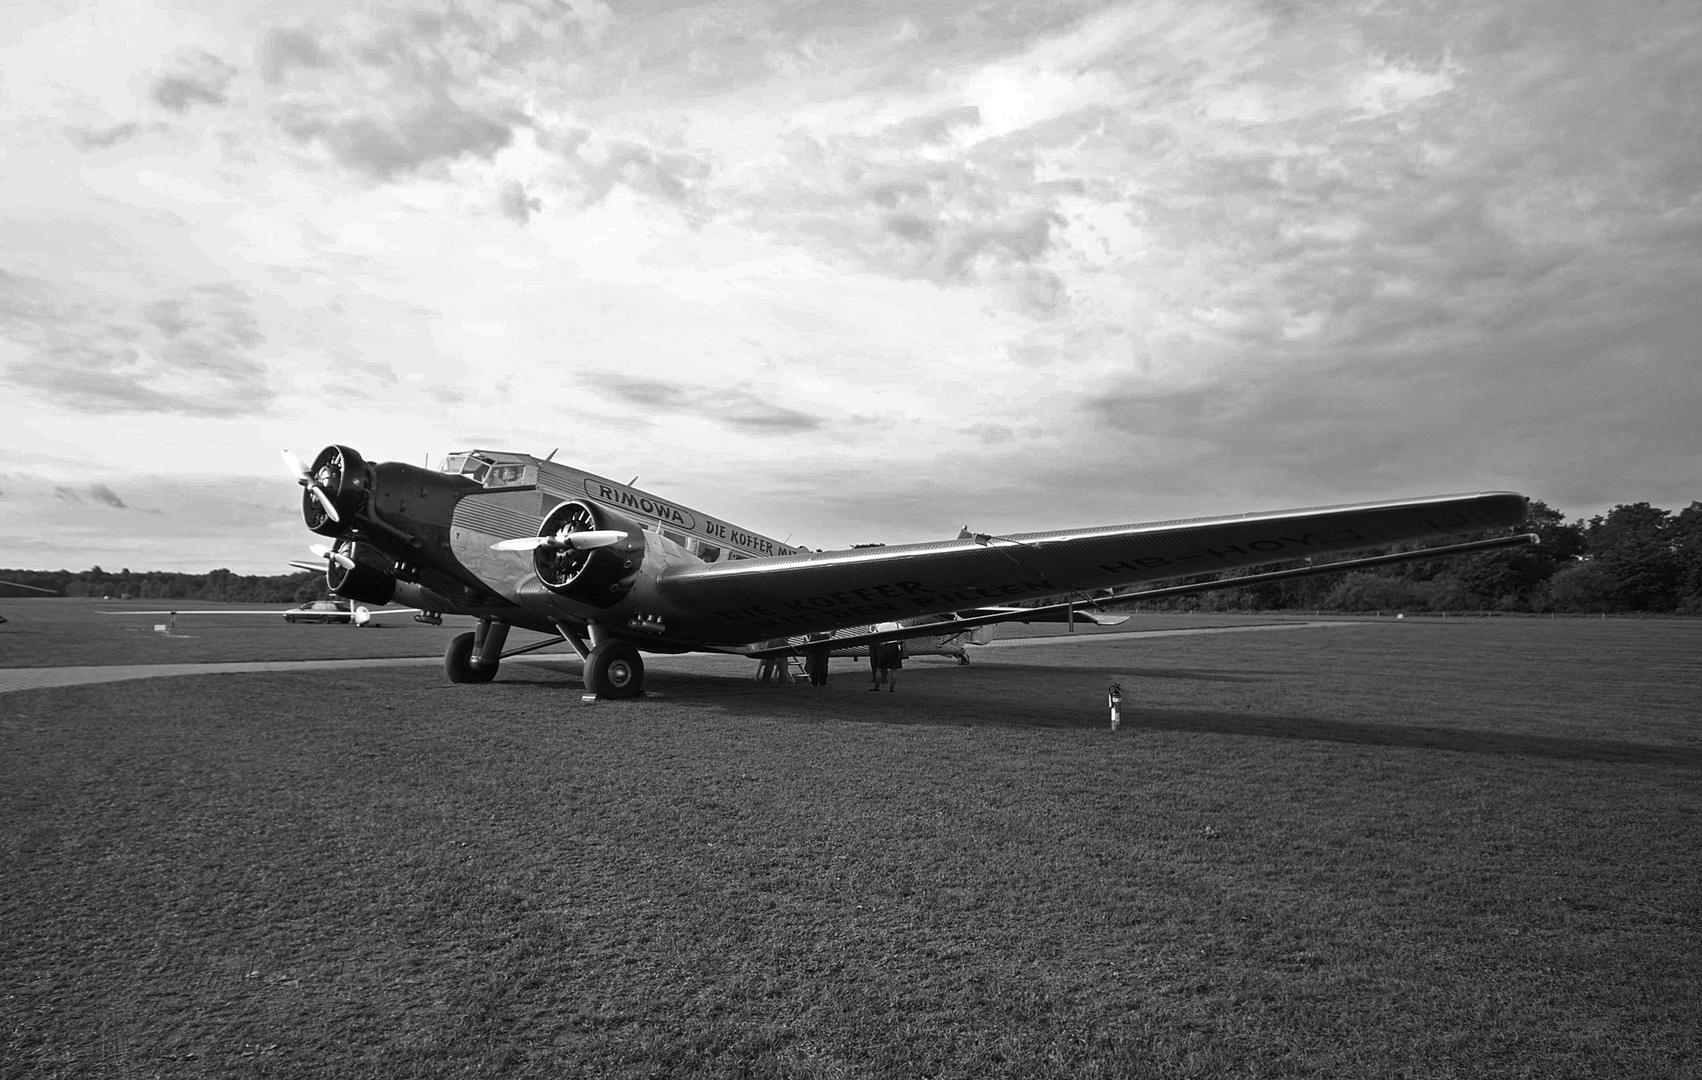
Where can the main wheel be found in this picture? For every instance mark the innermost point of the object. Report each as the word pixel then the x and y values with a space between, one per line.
pixel 614 670
pixel 458 662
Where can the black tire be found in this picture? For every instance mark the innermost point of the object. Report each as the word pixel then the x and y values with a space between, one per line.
pixel 458 662
pixel 614 670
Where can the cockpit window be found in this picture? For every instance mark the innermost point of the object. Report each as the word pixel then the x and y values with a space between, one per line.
pixel 489 471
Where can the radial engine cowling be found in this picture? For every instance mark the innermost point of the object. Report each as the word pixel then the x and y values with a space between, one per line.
pixel 343 475
pixel 598 576
pixel 370 581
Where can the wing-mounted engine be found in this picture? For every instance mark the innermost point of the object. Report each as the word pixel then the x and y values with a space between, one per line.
pixel 588 553
pixel 337 486
pixel 361 572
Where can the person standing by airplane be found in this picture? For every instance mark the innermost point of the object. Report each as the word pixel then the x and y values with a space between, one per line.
pixel 889 657
pixel 815 658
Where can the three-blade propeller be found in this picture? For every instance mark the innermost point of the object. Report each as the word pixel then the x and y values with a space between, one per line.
pixel 305 479
pixel 579 541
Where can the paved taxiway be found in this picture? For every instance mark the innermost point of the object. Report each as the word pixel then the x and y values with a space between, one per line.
pixel 40 678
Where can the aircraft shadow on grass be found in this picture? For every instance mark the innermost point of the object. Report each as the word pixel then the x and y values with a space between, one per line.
pixel 925 704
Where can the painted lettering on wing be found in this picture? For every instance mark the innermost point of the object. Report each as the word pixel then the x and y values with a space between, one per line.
pixel 1268 549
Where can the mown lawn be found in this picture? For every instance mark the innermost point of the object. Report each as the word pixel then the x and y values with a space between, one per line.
pixel 70 632
pixel 1418 849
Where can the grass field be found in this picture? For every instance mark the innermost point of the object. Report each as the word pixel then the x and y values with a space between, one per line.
pixel 70 632
pixel 62 632
pixel 1426 849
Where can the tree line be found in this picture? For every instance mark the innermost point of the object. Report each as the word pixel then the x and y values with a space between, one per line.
pixel 216 585
pixel 1636 557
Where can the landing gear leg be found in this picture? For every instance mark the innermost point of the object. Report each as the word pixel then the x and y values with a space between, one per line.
pixel 473 658
pixel 614 670
pixel 488 641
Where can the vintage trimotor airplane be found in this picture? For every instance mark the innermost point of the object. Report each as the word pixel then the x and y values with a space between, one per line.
pixel 613 571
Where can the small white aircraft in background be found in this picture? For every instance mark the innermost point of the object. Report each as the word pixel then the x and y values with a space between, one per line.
pixel 614 571
pixel 342 612
pixel 339 611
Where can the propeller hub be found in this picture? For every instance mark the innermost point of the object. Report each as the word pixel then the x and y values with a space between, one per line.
pixel 335 486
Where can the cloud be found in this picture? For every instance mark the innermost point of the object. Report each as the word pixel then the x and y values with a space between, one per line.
pixel 907 201
pixel 515 204
pixel 102 138
pixel 198 78
pixel 736 408
pixel 990 434
pixel 593 168
pixel 1438 387
pixel 193 353
pixel 284 48
pixel 390 99
pixel 250 524
pixel 105 495
pixel 936 127
pixel 99 494
pixel 408 135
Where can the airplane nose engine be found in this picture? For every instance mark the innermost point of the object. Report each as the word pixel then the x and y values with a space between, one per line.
pixel 345 477
pixel 600 575
pixel 371 580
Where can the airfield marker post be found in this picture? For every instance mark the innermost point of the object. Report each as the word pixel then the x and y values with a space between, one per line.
pixel 1115 699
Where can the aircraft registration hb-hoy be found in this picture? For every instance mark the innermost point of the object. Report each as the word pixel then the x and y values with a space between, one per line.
pixel 613 571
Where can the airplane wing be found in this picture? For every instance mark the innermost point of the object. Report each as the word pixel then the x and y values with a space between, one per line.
pixel 1091 610
pixel 745 601
pixel 190 611
pixel 31 588
pixel 221 611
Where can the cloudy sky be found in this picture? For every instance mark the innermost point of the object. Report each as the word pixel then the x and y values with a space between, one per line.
pixel 843 272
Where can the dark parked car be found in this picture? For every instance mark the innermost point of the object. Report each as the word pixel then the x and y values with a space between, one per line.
pixel 339 611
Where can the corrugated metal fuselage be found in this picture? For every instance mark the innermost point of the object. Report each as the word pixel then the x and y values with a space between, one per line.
pixel 481 516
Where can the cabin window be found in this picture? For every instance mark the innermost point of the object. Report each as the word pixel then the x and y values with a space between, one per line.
pixel 708 552
pixel 511 475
